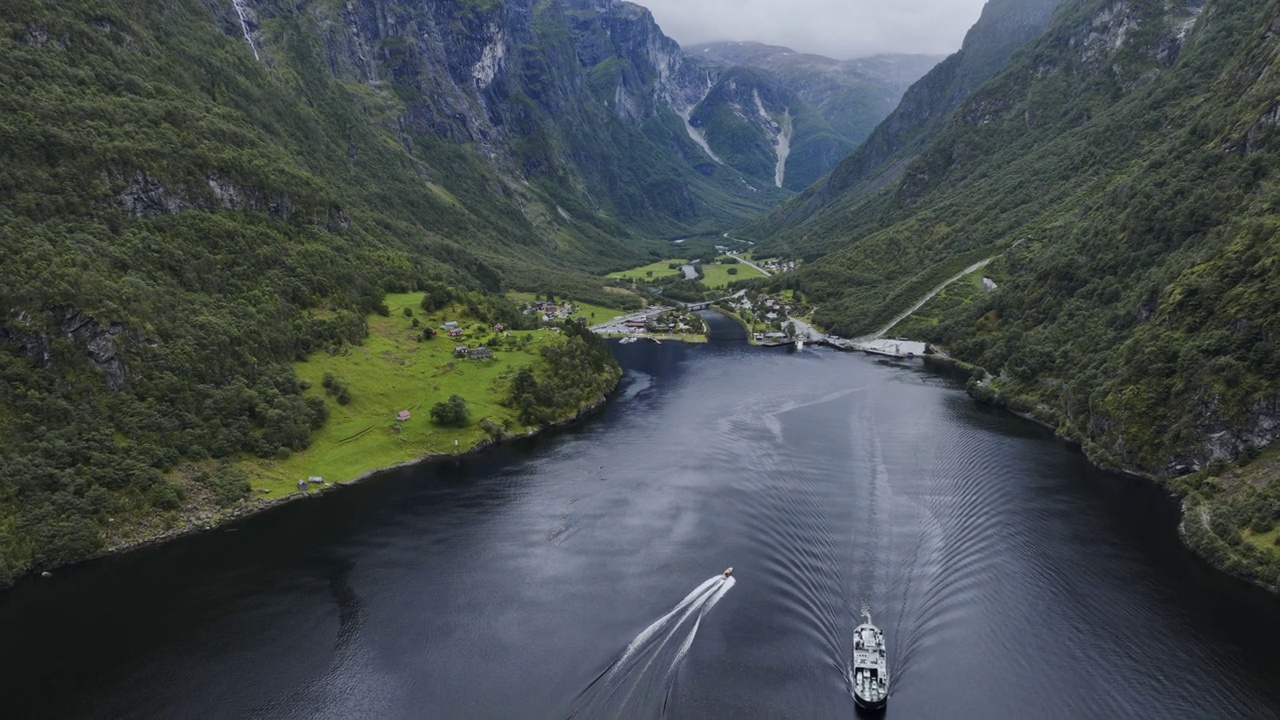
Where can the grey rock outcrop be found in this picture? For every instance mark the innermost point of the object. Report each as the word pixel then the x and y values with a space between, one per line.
pixel 98 343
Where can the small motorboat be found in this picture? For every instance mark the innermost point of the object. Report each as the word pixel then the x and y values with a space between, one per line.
pixel 728 571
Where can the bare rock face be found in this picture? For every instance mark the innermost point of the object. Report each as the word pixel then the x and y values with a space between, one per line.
pixel 23 334
pixel 1228 443
pixel 98 343
pixel 148 197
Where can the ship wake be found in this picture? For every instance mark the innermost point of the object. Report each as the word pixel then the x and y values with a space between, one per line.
pixel 639 682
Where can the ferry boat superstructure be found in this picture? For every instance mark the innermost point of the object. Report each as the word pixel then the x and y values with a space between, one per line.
pixel 870 667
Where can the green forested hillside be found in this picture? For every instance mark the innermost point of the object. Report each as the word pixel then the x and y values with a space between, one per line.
pixel 1122 170
pixel 923 113
pixel 189 203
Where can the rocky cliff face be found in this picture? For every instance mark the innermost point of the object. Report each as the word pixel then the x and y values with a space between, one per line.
pixel 589 94
pixel 580 98
pixel 788 118
pixel 72 331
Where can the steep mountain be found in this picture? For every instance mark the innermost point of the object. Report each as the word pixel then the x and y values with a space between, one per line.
pixel 1122 171
pixel 196 193
pixel 923 112
pixel 787 118
pixel 853 96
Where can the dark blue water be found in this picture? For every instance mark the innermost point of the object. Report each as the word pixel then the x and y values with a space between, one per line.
pixel 1011 578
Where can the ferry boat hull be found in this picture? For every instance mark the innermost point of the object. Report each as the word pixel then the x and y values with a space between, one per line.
pixel 868 705
pixel 870 678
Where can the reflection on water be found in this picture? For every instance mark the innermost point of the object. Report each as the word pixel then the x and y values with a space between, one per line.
pixel 1010 578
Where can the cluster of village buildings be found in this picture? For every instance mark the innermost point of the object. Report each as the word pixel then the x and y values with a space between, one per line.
pixel 778 266
pixel 669 321
pixel 479 352
pixel 764 309
pixel 549 310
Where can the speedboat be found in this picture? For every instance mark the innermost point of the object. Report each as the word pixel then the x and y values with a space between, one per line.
pixel 728 571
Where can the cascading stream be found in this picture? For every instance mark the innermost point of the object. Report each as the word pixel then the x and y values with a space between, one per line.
pixel 242 13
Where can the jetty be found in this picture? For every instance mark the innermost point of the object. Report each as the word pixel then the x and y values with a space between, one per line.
pixel 899 348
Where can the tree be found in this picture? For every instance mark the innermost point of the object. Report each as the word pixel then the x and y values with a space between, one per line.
pixel 451 413
pixel 732 271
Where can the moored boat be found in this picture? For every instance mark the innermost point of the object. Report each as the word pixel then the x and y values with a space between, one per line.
pixel 870 676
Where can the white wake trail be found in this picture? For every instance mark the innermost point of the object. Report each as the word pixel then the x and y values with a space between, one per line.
pixel 706 608
pixel 658 624
pixel 631 683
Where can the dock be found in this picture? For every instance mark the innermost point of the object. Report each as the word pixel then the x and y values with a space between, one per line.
pixel 896 348
pixel 891 348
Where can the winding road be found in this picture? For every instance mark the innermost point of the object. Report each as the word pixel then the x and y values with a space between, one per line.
pixel 920 303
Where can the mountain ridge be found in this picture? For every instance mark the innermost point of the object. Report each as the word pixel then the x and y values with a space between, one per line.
pixel 197 193
pixel 790 117
pixel 1003 27
pixel 1120 168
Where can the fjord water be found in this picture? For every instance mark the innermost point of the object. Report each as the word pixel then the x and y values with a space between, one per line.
pixel 1012 579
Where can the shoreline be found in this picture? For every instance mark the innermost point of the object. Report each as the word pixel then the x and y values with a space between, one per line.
pixel 200 523
pixel 998 400
pixel 745 329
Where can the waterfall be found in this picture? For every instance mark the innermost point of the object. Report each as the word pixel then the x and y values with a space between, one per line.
pixel 783 148
pixel 244 26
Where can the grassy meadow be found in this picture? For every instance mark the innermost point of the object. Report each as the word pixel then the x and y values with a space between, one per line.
pixel 390 372
pixel 717 276
pixel 659 269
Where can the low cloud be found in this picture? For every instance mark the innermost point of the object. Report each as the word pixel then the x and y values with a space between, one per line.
pixel 835 28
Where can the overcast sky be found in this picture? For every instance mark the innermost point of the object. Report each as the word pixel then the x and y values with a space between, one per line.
pixel 835 28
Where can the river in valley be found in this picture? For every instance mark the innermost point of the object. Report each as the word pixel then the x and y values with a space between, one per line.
pixel 578 574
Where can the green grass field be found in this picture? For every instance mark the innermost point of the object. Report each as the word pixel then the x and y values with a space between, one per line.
pixel 717 276
pixel 391 372
pixel 659 269
pixel 1267 541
